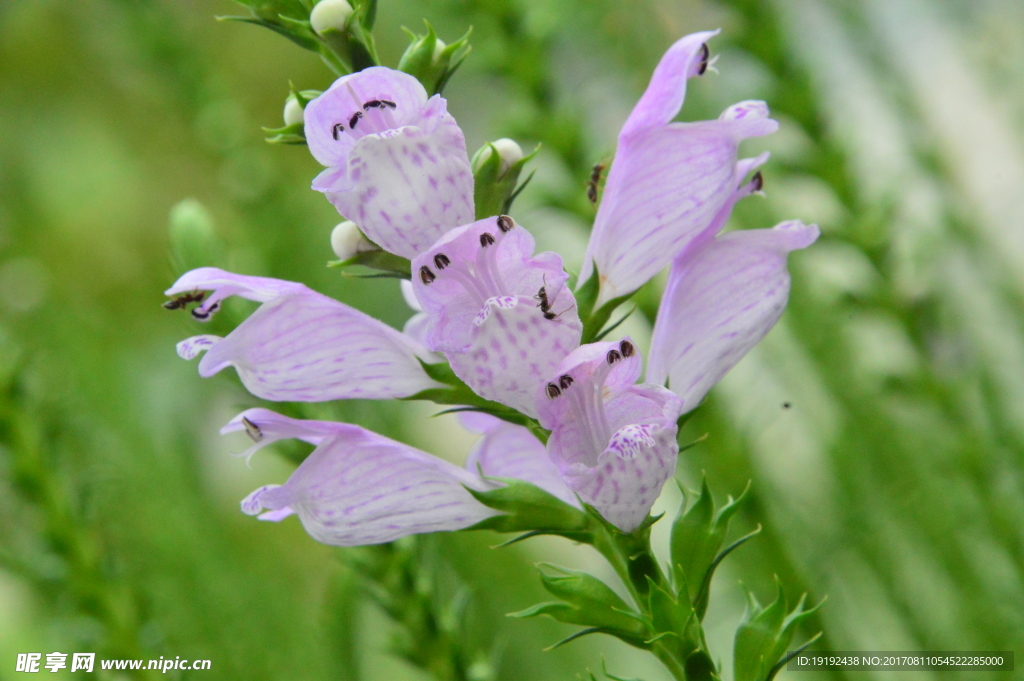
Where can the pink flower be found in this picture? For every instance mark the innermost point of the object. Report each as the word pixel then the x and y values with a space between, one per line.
pixel 501 315
pixel 396 161
pixel 669 181
pixel 301 345
pixel 614 442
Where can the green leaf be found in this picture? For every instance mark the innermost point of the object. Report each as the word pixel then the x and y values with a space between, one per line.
pixel 433 67
pixel 527 508
pixel 289 134
pixel 593 602
pixel 764 635
pixel 378 260
pixel 697 537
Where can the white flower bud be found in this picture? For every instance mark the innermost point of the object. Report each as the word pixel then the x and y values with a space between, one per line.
pixel 330 15
pixel 347 240
pixel 293 112
pixel 509 152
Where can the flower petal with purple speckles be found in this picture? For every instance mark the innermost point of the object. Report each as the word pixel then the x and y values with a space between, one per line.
pixel 500 314
pixel 358 487
pixel 303 346
pixel 510 451
pixel 614 442
pixel 719 302
pixel 668 180
pixel 396 161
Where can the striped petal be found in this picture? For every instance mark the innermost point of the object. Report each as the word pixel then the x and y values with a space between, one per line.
pixel 303 346
pixel 719 302
pixel 358 487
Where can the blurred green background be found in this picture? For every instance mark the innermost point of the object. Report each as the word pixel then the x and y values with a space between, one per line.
pixel 882 421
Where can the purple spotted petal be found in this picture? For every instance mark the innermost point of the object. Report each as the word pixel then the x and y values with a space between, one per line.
pixel 719 302
pixel 358 487
pixel 396 161
pixel 303 346
pixel 668 181
pixel 500 314
pixel 614 442
pixel 510 451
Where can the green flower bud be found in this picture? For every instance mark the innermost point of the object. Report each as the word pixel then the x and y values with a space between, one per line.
pixel 194 241
pixel 432 61
pixel 330 16
pixel 509 152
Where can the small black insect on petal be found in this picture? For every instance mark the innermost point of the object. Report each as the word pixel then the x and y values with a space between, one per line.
pixel 505 223
pixel 252 430
pixel 426 276
pixel 564 381
pixel 441 261
pixel 486 239
pixel 355 119
pixel 613 356
pixel 626 348
pixel 553 390
pixel 548 314
pixel 704 54
pixel 757 181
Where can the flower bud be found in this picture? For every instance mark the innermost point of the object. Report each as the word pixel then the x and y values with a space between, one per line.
pixel 194 240
pixel 347 240
pixel 509 153
pixel 330 15
pixel 431 60
pixel 496 168
pixel 292 111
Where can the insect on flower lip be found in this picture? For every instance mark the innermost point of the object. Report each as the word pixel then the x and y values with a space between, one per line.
pixel 441 261
pixel 379 104
pixel 181 301
pixel 252 430
pixel 426 276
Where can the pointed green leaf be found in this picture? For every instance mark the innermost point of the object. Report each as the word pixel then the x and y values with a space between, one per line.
pixel 527 508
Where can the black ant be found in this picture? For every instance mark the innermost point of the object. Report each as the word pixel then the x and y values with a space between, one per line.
pixel 545 304
pixel 595 178
pixel 181 301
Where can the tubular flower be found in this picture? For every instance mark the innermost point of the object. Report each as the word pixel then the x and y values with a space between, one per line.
pixel 501 315
pixel 358 487
pixel 669 181
pixel 396 161
pixel 301 345
pixel 510 451
pixel 721 300
pixel 614 442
